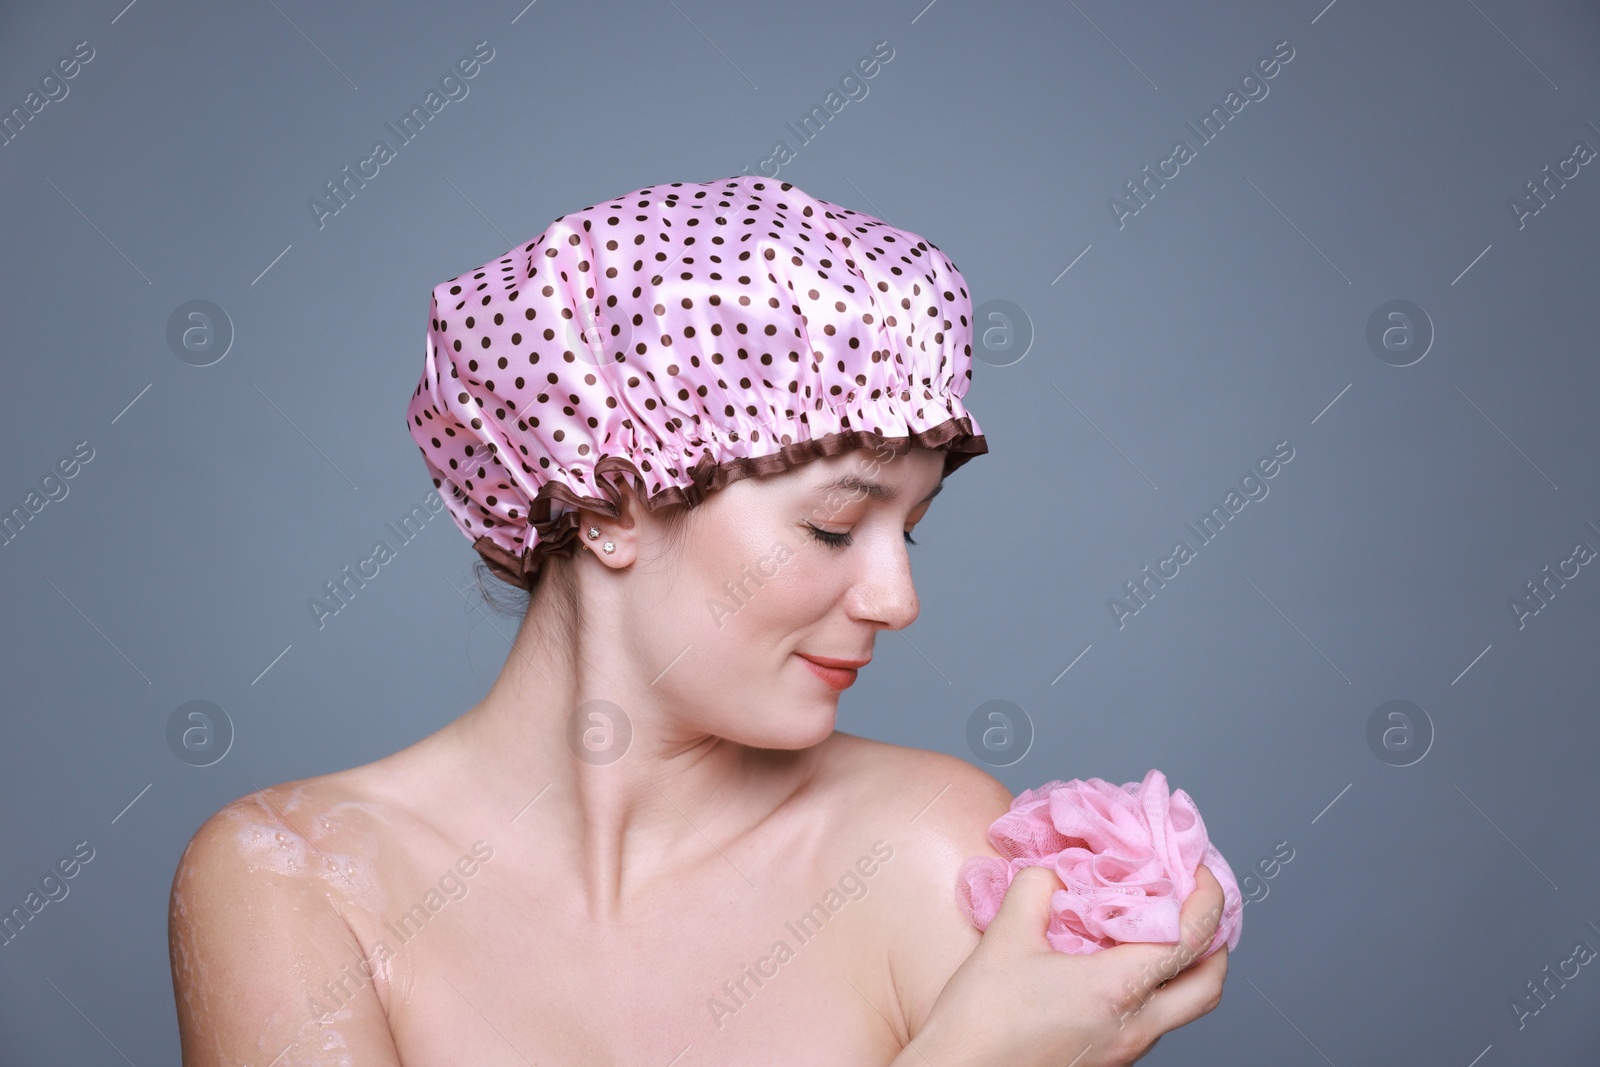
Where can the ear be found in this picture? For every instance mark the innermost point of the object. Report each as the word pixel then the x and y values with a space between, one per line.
pixel 620 532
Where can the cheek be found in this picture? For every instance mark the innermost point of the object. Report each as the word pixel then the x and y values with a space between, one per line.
pixel 753 590
pixel 743 615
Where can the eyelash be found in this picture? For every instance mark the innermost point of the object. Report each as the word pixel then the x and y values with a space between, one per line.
pixel 834 540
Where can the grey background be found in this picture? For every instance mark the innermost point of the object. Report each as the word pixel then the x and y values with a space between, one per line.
pixel 1229 314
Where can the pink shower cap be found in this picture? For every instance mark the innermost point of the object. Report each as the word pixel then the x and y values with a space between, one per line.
pixel 1126 855
pixel 681 337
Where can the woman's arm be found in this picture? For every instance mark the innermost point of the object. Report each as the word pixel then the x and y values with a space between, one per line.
pixel 931 938
pixel 264 969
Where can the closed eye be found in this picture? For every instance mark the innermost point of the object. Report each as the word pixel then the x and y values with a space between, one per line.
pixel 839 540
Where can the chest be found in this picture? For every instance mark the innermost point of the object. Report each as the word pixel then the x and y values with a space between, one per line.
pixel 790 969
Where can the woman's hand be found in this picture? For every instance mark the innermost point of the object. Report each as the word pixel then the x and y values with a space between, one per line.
pixel 1016 1002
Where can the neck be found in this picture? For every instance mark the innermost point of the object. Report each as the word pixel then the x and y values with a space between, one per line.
pixel 573 748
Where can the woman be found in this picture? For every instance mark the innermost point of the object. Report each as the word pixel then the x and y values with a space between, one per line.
pixel 647 843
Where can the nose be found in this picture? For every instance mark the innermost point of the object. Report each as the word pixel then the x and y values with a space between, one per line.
pixel 883 592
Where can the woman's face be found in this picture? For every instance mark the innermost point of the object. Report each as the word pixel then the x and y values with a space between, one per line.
pixel 810 562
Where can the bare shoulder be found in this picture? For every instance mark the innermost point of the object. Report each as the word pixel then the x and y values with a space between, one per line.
pixel 339 834
pixel 289 835
pixel 954 800
pixel 937 809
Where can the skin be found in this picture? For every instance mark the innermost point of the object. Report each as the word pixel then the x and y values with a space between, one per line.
pixel 487 896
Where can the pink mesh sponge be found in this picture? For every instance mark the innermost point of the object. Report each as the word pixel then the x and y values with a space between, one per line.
pixel 1126 855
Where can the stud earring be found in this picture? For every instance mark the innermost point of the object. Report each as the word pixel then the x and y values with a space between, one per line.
pixel 594 533
pixel 609 546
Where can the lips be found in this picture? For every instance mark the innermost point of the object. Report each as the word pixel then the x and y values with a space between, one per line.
pixel 837 673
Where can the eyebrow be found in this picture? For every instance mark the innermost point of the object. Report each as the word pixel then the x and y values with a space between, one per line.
pixel 854 483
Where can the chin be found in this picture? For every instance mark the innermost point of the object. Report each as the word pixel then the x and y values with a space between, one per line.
pixel 791 729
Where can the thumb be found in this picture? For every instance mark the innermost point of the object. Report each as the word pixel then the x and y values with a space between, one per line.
pixel 1025 911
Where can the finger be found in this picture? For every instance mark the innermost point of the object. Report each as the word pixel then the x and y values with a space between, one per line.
pixel 1185 998
pixel 1025 912
pixel 1143 965
pixel 1201 914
